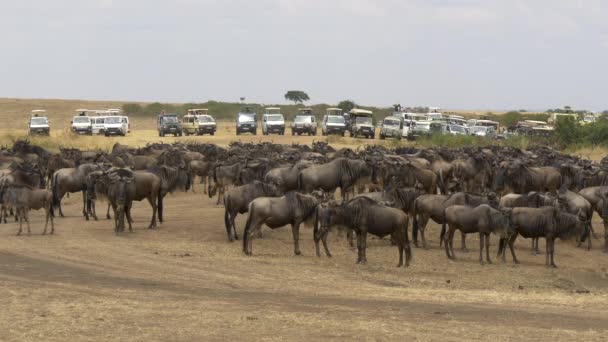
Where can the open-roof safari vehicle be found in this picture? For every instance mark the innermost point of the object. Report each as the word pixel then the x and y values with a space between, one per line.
pixel 360 123
pixel 304 122
pixel 168 124
pixel 39 122
pixel 273 121
pixel 206 123
pixel 247 121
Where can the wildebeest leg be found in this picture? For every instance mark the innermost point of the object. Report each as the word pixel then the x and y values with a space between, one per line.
pixel 511 243
pixel 84 205
pixel 295 231
pixel 358 247
pixel 26 215
pixel 501 249
pixel 452 233
pixel 463 242
pixel 363 247
pixel 605 236
pixel 487 238
pixel 50 213
pixel 46 221
pixel 324 240
pixel 108 212
pixel 422 234
pixel 481 245
pixel 152 202
pixel 233 225
pixel 350 237
pixel 20 225
pixel 129 219
pixel 551 249
pixel 446 243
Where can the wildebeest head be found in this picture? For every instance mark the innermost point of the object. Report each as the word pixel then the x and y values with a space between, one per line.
pixel 503 223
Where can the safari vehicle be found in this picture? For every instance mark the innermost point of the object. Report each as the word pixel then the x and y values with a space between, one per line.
pixel 189 124
pixel 273 121
pixel 304 123
pixel 454 129
pixel 97 122
pixel 435 114
pixel 118 112
pixel 206 122
pixel 333 124
pixel 39 123
pixel 477 122
pixel 81 123
pixel 247 121
pixel 168 124
pixel 361 124
pixel 483 131
pixel 424 128
pixel 393 127
pixel 115 125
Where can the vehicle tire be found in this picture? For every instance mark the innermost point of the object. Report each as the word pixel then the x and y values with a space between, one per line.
pixel 373 136
pixel 382 137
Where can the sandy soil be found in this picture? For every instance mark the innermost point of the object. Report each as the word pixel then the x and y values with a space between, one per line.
pixel 185 282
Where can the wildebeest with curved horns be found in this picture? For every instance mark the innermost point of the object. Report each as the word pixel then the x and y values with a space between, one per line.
pixel 224 176
pixel 482 219
pixel 292 208
pixel 237 200
pixel 120 190
pixel 340 173
pixel 171 179
pixel 364 215
pixel 597 196
pixel 547 222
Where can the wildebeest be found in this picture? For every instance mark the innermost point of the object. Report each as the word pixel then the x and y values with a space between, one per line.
pixel 55 163
pixel 201 169
pixel 223 177
pixel 597 196
pixel 23 198
pixel 547 222
pixel 171 179
pixel 147 186
pixel 364 215
pixel 339 173
pixel 120 190
pixel 432 206
pixel 237 200
pixel 482 219
pixel 286 178
pixel 522 179
pixel 72 180
pixel 530 200
pixel 292 208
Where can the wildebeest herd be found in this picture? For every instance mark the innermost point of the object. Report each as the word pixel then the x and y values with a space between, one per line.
pixel 535 193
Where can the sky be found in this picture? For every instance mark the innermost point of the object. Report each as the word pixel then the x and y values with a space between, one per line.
pixel 458 54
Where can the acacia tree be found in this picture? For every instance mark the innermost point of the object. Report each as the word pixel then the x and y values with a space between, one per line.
pixel 297 96
pixel 347 105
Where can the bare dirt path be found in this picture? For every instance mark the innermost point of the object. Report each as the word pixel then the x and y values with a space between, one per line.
pixel 185 282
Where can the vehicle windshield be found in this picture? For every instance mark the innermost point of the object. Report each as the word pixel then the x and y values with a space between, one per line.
pixel 363 120
pixel 335 119
pixel 82 119
pixel 457 128
pixel 391 122
pixel 275 117
pixel 205 118
pixel 169 119
pixel 40 121
pixel 303 118
pixel 113 120
pixel 422 126
pixel 246 118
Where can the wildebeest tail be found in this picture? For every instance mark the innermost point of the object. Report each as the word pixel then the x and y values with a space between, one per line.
pixel 55 192
pixel 159 204
pixel 247 227
pixel 315 230
pixel 415 224
pixel 442 187
pixel 300 181
pixel 442 234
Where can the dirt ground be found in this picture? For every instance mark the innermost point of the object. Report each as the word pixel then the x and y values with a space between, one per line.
pixel 185 282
